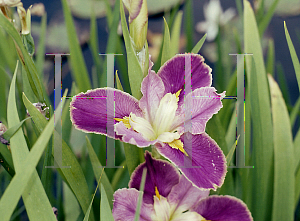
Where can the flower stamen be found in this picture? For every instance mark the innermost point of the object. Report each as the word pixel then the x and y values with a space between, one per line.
pixel 125 121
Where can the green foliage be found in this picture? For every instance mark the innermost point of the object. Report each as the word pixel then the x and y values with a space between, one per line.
pixel 283 199
pixel 261 120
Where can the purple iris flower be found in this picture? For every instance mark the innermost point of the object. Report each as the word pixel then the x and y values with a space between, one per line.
pixel 158 118
pixel 170 196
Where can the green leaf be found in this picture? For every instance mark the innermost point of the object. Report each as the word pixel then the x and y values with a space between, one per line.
pixel 189 24
pixel 265 21
pixel 231 152
pixel 40 54
pixel 99 172
pixel 113 40
pixel 71 206
pixel 261 120
pixel 26 60
pixel 283 82
pixel 297 168
pixel 175 34
pixel 105 210
pixel 119 85
pixel 35 199
pixel 294 112
pixel 132 157
pixel 73 176
pixel 293 55
pixel 198 46
pixel 3 93
pixel 79 70
pixel 284 180
pixel 94 47
pixel 141 192
pixel 215 129
pixel 297 189
pixel 109 13
pixel 259 10
pixel 12 130
pixel 113 33
pixel 271 58
pixel 237 39
pixel 87 214
pixel 231 130
pixel 135 73
pixel 118 175
pixel 239 7
pixel 8 56
pixel 6 159
pixel 166 53
pixel 13 192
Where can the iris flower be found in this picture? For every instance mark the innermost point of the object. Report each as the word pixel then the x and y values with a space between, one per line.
pixel 214 16
pixel 158 118
pixel 170 196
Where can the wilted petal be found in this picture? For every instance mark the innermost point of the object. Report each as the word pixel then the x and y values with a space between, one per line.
pixel 225 208
pixel 88 110
pixel 172 74
pixel 153 91
pixel 205 165
pixel 184 195
pixel 159 173
pixel 125 202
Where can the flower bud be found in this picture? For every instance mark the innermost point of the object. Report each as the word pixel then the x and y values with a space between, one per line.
pixel 42 108
pixel 3 129
pixel 25 19
pixel 138 22
pixel 55 211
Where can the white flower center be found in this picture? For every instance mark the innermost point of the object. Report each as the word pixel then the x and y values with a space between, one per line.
pixel 166 211
pixel 163 120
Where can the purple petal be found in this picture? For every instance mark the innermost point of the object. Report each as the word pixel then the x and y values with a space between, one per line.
pixel 125 202
pixel 160 173
pixel 205 165
pixel 131 136
pixel 223 208
pixel 172 74
pixel 205 102
pixel 89 113
pixel 153 91
pixel 184 195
